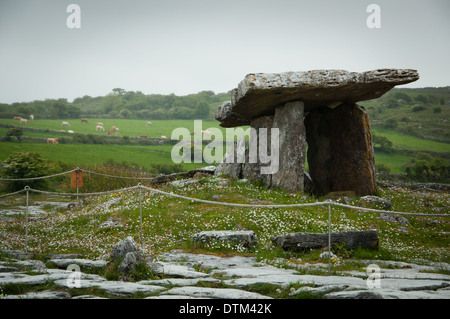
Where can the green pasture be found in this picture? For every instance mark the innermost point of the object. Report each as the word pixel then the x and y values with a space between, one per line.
pixel 146 156
pixel 410 142
pixel 127 127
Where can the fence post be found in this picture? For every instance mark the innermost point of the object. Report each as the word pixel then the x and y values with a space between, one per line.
pixel 140 213
pixel 26 221
pixel 329 237
pixel 77 171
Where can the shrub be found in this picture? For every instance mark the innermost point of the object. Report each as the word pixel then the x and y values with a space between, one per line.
pixel 24 165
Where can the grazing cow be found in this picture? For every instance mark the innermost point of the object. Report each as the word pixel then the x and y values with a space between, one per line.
pixel 31 117
pixel 17 118
pixel 109 132
pixel 84 121
pixel 23 121
pixel 149 123
pixel 207 133
pixel 113 129
pixel 99 128
pixel 100 123
pixel 70 131
pixel 117 134
pixel 65 124
pixel 52 141
pixel 143 136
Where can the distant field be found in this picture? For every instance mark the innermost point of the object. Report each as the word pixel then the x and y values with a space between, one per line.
pixel 127 127
pixel 79 154
pixel 411 142
pixel 91 154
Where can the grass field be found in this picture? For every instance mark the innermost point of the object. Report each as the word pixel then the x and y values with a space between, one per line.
pixel 131 128
pixel 90 154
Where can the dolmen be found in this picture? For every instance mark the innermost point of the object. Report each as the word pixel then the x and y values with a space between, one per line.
pixel 317 118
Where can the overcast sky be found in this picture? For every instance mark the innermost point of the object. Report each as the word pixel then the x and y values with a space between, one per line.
pixel 187 46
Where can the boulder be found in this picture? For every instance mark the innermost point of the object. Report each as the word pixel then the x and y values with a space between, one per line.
pixel 304 241
pixel 122 248
pixel 246 238
pixel 378 202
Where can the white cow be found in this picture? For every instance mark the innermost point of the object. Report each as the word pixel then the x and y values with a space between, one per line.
pixel 31 117
pixel 99 128
pixel 149 123
pixel 70 131
pixel 22 120
pixel 100 123
pixel 65 124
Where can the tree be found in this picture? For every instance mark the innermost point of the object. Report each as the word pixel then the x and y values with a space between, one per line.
pixel 201 110
pixel 17 132
pixel 24 165
pixel 383 143
pixel 391 123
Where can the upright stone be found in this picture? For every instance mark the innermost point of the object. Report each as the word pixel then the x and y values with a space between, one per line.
pixel 340 150
pixel 252 169
pixel 292 147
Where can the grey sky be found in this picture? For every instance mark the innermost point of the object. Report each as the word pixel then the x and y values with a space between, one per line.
pixel 186 46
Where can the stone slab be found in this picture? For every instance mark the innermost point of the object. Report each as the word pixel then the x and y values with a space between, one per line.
pixel 258 94
pixel 220 293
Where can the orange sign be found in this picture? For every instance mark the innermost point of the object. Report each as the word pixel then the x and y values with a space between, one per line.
pixel 77 179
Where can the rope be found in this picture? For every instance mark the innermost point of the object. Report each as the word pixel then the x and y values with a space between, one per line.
pixel 389 211
pixel 233 204
pixel 36 178
pixel 12 194
pixel 83 194
pixel 328 202
pixel 113 176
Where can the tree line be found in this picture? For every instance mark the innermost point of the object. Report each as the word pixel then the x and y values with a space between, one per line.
pixel 121 104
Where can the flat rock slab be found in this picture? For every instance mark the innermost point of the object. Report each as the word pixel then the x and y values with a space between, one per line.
pixel 245 238
pixel 40 295
pixel 64 263
pixel 259 94
pixel 116 288
pixel 220 293
pixel 176 270
pixel 388 294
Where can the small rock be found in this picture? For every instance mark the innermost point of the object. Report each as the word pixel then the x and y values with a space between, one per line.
pixel 123 247
pixel 385 204
pixel 111 222
pixel 324 256
pixel 394 219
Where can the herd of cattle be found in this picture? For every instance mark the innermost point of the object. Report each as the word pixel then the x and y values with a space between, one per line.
pixel 99 127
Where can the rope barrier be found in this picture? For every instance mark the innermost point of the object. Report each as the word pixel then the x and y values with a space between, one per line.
pixel 37 178
pixel 120 177
pixel 325 203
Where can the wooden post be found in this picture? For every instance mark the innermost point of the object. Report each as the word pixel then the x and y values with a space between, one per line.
pixel 26 221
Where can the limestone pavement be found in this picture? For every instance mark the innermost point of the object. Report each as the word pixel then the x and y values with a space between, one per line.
pixel 191 276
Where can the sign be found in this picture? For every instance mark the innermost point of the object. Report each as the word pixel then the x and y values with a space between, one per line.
pixel 77 179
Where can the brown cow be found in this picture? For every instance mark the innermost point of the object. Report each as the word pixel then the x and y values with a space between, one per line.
pixel 52 141
pixel 17 118
pixel 84 121
pixel 143 136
